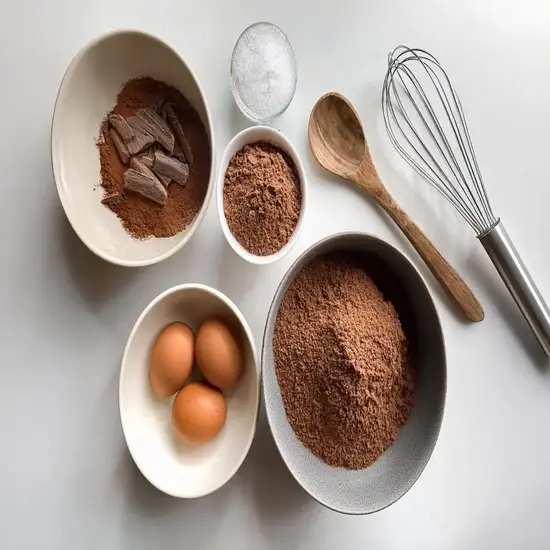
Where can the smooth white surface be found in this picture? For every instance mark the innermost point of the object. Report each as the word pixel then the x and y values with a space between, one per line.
pixel 251 135
pixel 67 480
pixel 175 468
pixel 89 91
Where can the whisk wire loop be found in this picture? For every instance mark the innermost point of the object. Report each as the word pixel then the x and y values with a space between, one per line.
pixel 426 124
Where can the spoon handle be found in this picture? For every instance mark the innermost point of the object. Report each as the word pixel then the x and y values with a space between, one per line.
pixel 449 279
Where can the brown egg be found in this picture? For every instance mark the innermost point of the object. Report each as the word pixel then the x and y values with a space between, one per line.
pixel 218 354
pixel 198 413
pixel 171 359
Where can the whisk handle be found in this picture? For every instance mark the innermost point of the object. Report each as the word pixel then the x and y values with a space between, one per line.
pixel 513 272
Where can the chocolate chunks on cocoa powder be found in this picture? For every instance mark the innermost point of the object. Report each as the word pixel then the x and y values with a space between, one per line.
pixel 137 163
pixel 172 118
pixel 144 182
pixel 170 167
pixel 149 122
pixel 121 148
pixel 139 166
pixel 147 157
pixel 139 142
pixel 121 126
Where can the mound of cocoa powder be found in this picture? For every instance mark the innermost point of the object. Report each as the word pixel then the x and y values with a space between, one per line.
pixel 342 362
pixel 262 198
pixel 141 217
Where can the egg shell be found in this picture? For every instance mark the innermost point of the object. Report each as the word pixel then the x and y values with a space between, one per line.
pixel 218 354
pixel 171 359
pixel 199 413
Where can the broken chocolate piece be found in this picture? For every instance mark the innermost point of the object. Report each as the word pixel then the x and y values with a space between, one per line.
pixel 147 186
pixel 157 106
pixel 147 157
pixel 121 126
pixel 165 180
pixel 149 122
pixel 178 131
pixel 170 167
pixel 111 200
pixel 178 153
pixel 120 146
pixel 139 166
pixel 139 142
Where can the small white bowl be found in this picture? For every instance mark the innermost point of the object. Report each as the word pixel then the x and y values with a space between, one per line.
pixel 252 135
pixel 175 468
pixel 87 93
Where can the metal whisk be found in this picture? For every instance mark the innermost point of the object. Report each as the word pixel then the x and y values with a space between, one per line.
pixel 426 124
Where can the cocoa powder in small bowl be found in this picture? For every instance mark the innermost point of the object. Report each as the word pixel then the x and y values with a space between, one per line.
pixel 354 373
pixel 261 195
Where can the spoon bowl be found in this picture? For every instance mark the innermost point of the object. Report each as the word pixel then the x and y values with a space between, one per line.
pixel 336 136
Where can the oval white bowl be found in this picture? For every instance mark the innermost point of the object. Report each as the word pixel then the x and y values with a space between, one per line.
pixel 175 468
pixel 87 93
pixel 251 135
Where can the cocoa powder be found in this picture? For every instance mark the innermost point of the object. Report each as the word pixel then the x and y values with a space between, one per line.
pixel 262 198
pixel 343 362
pixel 141 217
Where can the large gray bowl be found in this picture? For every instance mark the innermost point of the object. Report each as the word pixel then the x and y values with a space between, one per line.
pixel 395 472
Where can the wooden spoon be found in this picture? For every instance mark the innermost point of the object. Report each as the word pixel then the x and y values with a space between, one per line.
pixel 339 145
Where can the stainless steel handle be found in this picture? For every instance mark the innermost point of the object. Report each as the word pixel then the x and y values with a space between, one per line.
pixel 500 249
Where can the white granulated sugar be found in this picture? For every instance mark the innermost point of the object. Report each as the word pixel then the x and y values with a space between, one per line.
pixel 263 70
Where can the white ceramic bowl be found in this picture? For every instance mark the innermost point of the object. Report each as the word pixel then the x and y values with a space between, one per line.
pixel 88 91
pixel 251 135
pixel 172 467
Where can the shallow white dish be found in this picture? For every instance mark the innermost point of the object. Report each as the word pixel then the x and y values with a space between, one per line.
pixel 172 467
pixel 251 135
pixel 88 91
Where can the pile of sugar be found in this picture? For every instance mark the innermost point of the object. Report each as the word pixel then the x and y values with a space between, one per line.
pixel 263 70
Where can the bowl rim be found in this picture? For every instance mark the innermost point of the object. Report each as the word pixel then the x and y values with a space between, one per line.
pixel 88 46
pixel 270 321
pixel 288 147
pixel 257 367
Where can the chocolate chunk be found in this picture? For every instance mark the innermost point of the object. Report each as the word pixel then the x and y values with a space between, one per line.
pixel 170 167
pixel 139 142
pixel 178 153
pixel 120 146
pixel 148 186
pixel 149 122
pixel 178 131
pixel 147 157
pixel 121 126
pixel 111 200
pixel 165 180
pixel 139 166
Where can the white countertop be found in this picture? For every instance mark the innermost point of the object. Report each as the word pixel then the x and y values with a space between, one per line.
pixel 66 479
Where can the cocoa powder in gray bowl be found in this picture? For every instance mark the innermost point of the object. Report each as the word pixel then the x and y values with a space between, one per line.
pixel 359 464
pixel 343 361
